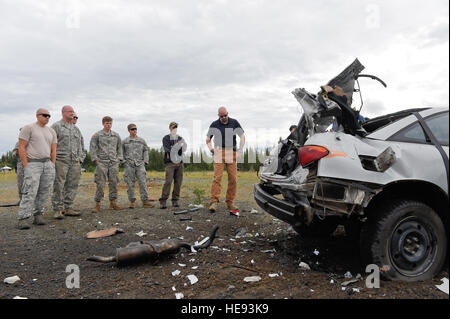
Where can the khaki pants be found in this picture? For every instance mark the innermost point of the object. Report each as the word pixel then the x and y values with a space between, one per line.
pixel 224 158
pixel 174 172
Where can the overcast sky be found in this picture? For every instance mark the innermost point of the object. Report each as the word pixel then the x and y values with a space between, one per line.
pixel 153 62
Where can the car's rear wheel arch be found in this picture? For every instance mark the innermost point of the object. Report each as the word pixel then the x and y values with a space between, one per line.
pixel 425 192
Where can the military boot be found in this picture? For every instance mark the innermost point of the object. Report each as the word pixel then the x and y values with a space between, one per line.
pixel 58 215
pixel 97 207
pixel 71 212
pixel 24 223
pixel 175 203
pixel 147 203
pixel 213 207
pixel 231 206
pixel 38 220
pixel 132 204
pixel 113 205
pixel 162 205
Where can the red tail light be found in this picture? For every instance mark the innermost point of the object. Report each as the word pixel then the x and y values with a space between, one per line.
pixel 311 153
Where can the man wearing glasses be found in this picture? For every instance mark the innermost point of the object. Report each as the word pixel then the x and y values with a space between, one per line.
pixel 225 153
pixel 68 164
pixel 135 154
pixel 107 154
pixel 37 151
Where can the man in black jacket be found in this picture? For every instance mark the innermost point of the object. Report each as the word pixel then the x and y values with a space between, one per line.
pixel 174 146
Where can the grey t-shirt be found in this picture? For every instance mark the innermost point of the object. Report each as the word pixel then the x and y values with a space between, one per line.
pixel 40 140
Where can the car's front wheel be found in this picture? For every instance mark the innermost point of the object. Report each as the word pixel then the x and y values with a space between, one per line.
pixel 407 239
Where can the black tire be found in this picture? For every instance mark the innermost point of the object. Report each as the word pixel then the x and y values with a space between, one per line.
pixel 406 236
pixel 318 228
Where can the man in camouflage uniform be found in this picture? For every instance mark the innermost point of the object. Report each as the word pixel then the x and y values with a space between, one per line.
pixel 37 151
pixel 135 153
pixel 19 170
pixel 69 155
pixel 107 154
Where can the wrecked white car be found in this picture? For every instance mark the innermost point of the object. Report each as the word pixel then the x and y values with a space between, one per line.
pixel 386 180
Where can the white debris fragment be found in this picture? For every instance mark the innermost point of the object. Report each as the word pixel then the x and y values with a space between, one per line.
pixel 253 211
pixel 316 252
pixel 331 281
pixel 189 228
pixel 194 267
pixel 204 240
pixel 174 289
pixel 192 278
pixel 252 279
pixel 343 288
pixel 444 286
pixel 179 295
pixel 252 261
pixel 348 275
pixel 304 266
pixel 351 281
pixel 225 249
pixel 11 280
pixel 358 276
pixel 355 289
pixel 141 233
pixel 182 265
pixel 269 251
pixel 18 297
pixel 273 275
pixel 231 287
pixel 196 206
pixel 192 260
pixel 176 273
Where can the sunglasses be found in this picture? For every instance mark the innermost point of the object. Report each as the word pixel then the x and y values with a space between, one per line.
pixel 45 115
pixel 133 129
pixel 223 116
pixel 75 117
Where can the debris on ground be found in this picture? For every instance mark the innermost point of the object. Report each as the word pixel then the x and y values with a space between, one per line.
pixel 304 266
pixel 179 295
pixel 235 213
pixel 273 275
pixel 241 232
pixel 253 211
pixel 348 282
pixel 316 252
pixel 104 233
pixel 196 206
pixel 146 250
pixel 192 278
pixel 252 279
pixel 348 275
pixel 141 233
pixel 444 286
pixel 18 297
pixel 176 273
pixel 11 280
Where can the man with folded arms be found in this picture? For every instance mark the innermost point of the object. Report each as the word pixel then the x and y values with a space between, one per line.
pixel 37 151
pixel 68 164
pixel 135 153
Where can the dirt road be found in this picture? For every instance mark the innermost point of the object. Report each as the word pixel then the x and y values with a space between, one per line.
pixel 267 248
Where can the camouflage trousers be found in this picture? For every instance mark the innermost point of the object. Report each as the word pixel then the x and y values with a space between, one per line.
pixel 130 175
pixel 19 176
pixel 37 183
pixel 106 171
pixel 67 178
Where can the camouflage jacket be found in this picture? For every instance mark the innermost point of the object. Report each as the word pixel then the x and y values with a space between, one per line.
pixel 106 147
pixel 70 142
pixel 135 151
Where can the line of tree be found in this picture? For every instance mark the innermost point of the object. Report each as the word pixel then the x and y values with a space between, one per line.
pixel 196 161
